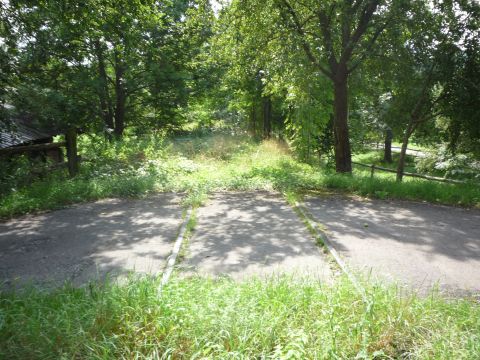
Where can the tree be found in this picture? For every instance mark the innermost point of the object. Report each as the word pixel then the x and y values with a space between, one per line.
pixel 461 102
pixel 336 37
pixel 7 67
pixel 105 64
pixel 420 64
pixel 246 69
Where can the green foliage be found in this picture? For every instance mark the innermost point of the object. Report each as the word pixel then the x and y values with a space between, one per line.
pixel 456 166
pixel 281 318
pixel 16 173
pixel 199 164
pixel 104 64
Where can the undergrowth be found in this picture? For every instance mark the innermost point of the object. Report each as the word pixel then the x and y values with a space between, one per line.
pixel 196 165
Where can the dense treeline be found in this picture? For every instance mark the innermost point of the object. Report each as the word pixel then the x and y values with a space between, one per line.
pixel 328 76
pixel 103 65
pixel 344 70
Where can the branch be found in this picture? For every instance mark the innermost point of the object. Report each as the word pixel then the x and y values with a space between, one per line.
pixel 416 110
pixel 110 80
pixel 356 6
pixel 423 119
pixel 428 113
pixel 325 23
pixel 130 91
pixel 297 26
pixel 369 46
pixel 365 18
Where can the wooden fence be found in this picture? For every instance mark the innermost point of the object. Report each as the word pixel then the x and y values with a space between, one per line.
pixel 421 176
pixel 70 144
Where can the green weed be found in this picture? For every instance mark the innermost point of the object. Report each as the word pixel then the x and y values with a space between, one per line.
pixel 280 318
pixel 198 165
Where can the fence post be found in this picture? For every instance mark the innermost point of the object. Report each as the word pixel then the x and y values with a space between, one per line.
pixel 373 171
pixel 71 139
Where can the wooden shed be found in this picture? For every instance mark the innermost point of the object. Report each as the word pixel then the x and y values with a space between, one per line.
pixel 21 137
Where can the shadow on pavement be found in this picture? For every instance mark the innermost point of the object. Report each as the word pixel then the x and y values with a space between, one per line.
pixel 244 234
pixel 89 241
pixel 416 243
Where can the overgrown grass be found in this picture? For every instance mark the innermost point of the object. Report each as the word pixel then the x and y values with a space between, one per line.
pixel 197 165
pixel 283 317
pixel 280 318
pixel 376 157
pixel 55 193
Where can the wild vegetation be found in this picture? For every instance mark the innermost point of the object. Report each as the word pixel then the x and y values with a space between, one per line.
pixel 281 318
pixel 199 164
pixel 329 77
pixel 194 96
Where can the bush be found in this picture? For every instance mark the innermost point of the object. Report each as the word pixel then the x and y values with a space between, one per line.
pixel 455 166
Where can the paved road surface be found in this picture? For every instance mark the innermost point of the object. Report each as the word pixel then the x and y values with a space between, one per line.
pixel 241 234
pixel 81 242
pixel 244 234
pixel 415 243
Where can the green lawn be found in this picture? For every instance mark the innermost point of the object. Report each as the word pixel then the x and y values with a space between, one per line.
pixel 376 157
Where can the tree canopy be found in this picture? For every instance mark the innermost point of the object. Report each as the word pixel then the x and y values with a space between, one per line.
pixel 325 75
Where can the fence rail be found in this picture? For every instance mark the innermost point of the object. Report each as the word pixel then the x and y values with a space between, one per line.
pixel 421 176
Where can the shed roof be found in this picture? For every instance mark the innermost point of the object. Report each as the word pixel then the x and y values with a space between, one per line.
pixel 20 133
pixel 22 128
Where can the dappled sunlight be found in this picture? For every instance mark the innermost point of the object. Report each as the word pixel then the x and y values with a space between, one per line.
pixel 416 243
pixel 90 241
pixel 240 234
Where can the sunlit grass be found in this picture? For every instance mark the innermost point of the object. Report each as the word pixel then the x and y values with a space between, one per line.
pixel 197 165
pixel 200 318
pixel 277 318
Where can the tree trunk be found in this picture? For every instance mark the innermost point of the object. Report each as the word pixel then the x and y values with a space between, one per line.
pixel 120 97
pixel 403 151
pixel 267 117
pixel 343 156
pixel 72 156
pixel 105 104
pixel 387 156
pixel 253 119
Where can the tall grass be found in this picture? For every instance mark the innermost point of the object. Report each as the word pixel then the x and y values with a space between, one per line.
pixel 280 318
pixel 200 164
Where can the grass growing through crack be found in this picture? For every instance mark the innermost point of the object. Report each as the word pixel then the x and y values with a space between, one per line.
pixel 281 318
pixel 198 165
pixel 190 227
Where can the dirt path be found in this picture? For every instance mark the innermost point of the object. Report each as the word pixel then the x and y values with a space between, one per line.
pixel 90 240
pixel 244 234
pixel 417 244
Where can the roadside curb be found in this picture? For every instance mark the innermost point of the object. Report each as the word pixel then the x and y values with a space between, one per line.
pixel 328 244
pixel 171 260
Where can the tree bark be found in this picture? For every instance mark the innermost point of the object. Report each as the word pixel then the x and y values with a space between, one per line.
pixel 72 156
pixel 105 104
pixel 343 156
pixel 253 119
pixel 120 97
pixel 403 151
pixel 267 117
pixel 387 156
